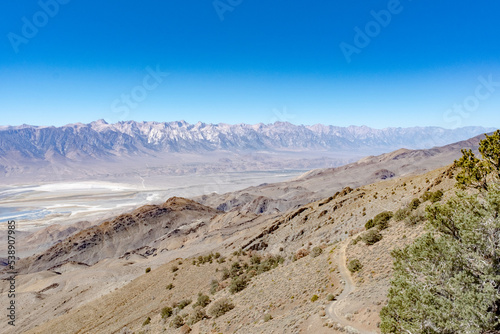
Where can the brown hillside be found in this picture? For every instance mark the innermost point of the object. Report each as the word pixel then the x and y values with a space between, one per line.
pixel 280 300
pixel 123 234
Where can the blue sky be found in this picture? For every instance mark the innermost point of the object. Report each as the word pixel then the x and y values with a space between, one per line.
pixel 416 63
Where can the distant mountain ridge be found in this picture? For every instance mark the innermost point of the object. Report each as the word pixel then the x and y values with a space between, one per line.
pixel 104 141
pixel 142 152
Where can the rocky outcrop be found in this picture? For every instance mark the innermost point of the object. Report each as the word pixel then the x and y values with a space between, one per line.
pixel 123 234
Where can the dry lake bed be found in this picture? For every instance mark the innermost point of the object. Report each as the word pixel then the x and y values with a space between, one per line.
pixel 38 205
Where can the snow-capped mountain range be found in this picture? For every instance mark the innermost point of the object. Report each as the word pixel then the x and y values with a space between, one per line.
pixel 138 151
pixel 102 140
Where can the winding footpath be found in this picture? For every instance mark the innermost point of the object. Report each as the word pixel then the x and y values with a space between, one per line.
pixel 332 311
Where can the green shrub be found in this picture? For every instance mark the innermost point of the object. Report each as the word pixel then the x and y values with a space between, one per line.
pixel 414 204
pixel 208 258
pixel 166 312
pixel 415 218
pixel 183 303
pixel 255 259
pixel 147 321
pixel 371 237
pixel 330 297
pixel 203 300
pixel 314 298
pixel 266 264
pixel 354 265
pixel 238 284
pixel 174 269
pixel 268 317
pixel 235 269
pixel 225 274
pixel 177 322
pixel 369 224
pixel 382 225
pixel 426 196
pixel 385 215
pixel 381 221
pixel 239 252
pixel 148 269
pixel 316 251
pixel 432 196
pixel 170 286
pixel 198 314
pixel 401 214
pixel 436 196
pixel 447 280
pixel 220 307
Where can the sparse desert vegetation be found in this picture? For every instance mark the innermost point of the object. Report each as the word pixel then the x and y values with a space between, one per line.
pixel 220 307
pixel 371 237
pixel 354 266
pixel 262 272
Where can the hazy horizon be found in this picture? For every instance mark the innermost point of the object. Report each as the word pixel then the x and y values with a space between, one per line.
pixel 249 124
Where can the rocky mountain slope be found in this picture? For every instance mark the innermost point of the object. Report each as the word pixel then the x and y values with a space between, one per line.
pixel 320 183
pixel 283 271
pixel 276 198
pixel 134 231
pixel 301 294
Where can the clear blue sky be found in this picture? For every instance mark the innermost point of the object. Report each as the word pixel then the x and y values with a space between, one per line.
pixel 250 61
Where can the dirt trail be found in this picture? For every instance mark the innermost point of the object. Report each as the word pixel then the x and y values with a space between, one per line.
pixel 332 311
